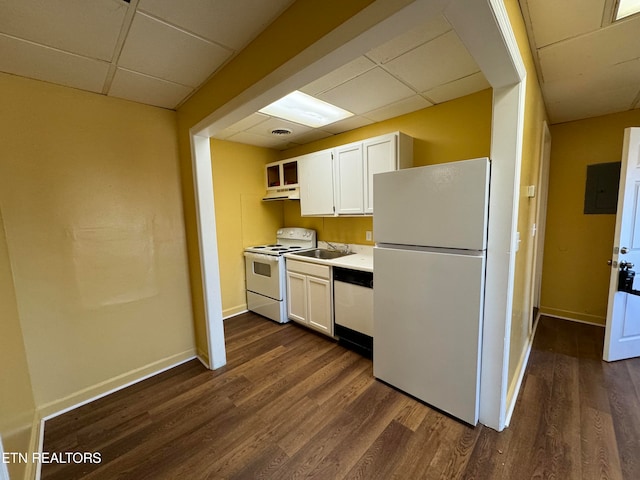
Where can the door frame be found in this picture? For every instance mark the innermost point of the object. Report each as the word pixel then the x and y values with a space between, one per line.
pixel 484 28
pixel 541 218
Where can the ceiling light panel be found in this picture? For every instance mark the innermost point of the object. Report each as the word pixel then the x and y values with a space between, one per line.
pixel 627 8
pixel 301 108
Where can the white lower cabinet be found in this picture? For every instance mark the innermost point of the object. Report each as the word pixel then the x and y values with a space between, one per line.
pixel 309 295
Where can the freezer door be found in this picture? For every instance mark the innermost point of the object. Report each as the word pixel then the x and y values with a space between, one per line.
pixel 427 327
pixel 443 205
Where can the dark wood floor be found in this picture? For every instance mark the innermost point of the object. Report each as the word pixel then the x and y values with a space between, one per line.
pixel 292 404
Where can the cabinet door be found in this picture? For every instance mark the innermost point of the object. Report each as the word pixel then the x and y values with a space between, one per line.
pixel 379 157
pixel 349 176
pixel 315 175
pixel 297 297
pixel 320 314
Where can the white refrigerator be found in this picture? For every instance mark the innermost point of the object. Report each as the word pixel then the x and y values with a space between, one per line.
pixel 430 229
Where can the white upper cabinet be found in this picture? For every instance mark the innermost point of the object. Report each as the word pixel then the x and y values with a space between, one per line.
pixel 348 172
pixel 315 176
pixel 357 163
pixel 379 156
pixel 344 186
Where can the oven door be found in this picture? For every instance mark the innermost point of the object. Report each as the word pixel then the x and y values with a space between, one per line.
pixel 264 274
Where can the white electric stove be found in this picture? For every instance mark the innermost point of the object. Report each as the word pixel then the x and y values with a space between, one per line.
pixel 265 271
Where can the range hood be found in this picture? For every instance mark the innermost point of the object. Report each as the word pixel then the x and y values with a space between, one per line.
pixel 282 194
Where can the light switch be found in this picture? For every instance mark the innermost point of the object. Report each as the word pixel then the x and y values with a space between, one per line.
pixel 369 236
pixel 531 191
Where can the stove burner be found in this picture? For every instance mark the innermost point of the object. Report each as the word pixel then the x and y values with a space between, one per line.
pixel 293 247
pixel 259 246
pixel 275 245
pixel 279 249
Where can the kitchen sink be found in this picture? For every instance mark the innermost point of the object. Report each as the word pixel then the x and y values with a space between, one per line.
pixel 322 254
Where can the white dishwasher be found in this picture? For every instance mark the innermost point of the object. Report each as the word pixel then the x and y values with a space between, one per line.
pixel 353 304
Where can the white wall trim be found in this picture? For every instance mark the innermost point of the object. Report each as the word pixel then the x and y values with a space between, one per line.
pixel 484 28
pixel 208 243
pixel 39 448
pixel 541 213
pixel 203 362
pixel 4 472
pixel 569 319
pixel 522 368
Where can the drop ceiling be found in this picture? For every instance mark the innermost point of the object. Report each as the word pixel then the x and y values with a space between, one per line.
pixel 587 65
pixel 159 52
pixel 421 68
pixel 156 52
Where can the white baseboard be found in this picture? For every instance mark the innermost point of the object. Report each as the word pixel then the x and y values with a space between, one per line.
pixel 87 395
pixel 203 361
pixel 575 320
pixel 573 316
pixel 232 312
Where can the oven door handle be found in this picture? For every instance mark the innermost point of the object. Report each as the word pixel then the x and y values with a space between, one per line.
pixel 262 257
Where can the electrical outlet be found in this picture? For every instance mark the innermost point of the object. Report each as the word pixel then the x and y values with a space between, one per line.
pixel 369 236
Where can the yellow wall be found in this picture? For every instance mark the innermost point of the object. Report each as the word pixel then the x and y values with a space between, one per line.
pixel 17 407
pixel 90 193
pixel 575 276
pixel 455 130
pixel 242 218
pixel 535 115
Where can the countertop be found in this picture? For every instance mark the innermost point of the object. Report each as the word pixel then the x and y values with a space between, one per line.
pixel 361 259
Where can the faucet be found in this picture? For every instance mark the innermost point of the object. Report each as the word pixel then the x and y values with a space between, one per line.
pixel 342 248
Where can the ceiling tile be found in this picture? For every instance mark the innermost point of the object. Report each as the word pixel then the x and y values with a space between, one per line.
pixel 259 140
pixel 311 136
pixel 458 88
pixel 178 56
pixel 410 40
pixel 440 61
pixel 265 128
pixel 606 91
pixel 347 124
pixel 595 51
pixel 351 70
pixel 144 89
pixel 402 107
pixel 243 124
pixel 250 121
pixel 574 107
pixel 233 24
pixel 85 28
pixel 554 20
pixel 42 63
pixel 371 90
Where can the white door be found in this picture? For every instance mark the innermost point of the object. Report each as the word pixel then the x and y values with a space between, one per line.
pixel 622 337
